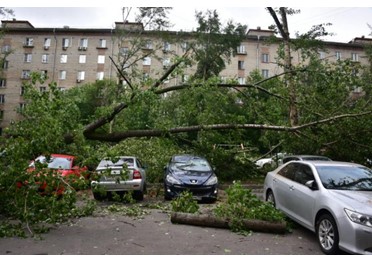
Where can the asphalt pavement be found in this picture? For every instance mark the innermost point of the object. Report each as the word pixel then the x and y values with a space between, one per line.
pixel 112 233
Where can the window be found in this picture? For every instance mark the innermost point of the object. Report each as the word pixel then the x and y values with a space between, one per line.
pixel 102 43
pixel 1 114
pixel 61 88
pixel 22 106
pixel 147 60
pixel 288 171
pixel 241 80
pixel 44 58
pixel 241 49
pixel 265 73
pixel 5 49
pixel 29 42
pixel 124 51
pixel 5 64
pixel 65 43
pixel 241 65
pixel 62 74
pixel 22 91
pixel 145 76
pixel 100 75
pixel 63 59
pixel 184 46
pixel 338 55
pixel 47 42
pixel 26 74
pixel 166 47
pixel 265 58
pixel 354 57
pixel 82 59
pixel 321 55
pixel 81 76
pixel 166 62
pixel 185 78
pixel 148 44
pixel 101 59
pixel 2 99
pixel 28 58
pixel 44 74
pixel 83 44
pixel 42 89
pixel 2 82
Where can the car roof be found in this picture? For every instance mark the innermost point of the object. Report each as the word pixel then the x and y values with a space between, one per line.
pixel 307 156
pixel 332 163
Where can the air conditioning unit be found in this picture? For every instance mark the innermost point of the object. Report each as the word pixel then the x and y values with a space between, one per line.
pixel 64 47
pixel 46 47
pixel 78 80
pixel 82 48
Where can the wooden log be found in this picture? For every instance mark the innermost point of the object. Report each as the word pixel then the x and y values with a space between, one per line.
pixel 198 220
pixel 212 221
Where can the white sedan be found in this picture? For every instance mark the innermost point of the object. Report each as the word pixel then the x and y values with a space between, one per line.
pixel 331 198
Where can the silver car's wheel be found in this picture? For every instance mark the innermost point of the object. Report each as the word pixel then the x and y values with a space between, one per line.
pixel 270 197
pixel 327 233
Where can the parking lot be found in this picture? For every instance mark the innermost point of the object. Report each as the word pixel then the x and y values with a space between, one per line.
pixel 154 234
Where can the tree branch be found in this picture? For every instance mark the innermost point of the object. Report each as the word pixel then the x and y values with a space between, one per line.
pixel 118 136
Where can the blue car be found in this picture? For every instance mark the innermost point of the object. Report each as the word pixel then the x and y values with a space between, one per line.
pixel 190 173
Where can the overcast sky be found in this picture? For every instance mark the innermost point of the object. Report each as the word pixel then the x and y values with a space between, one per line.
pixel 348 22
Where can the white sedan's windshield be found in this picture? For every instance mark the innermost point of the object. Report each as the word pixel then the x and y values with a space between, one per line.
pixel 346 177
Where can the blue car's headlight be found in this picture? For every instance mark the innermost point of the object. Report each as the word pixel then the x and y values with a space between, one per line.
pixel 211 181
pixel 171 180
pixel 359 218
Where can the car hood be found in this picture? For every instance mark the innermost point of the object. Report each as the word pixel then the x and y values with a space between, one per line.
pixel 358 200
pixel 192 177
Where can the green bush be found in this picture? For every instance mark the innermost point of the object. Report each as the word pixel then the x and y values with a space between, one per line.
pixel 243 204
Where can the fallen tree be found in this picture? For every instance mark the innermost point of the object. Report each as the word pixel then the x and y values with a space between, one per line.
pixel 216 222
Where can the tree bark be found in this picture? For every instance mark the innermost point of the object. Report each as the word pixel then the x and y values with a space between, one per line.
pixel 212 221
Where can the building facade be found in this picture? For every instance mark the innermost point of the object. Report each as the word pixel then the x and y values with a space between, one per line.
pixel 71 57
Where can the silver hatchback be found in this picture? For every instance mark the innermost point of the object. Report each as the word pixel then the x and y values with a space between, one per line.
pixel 331 198
pixel 120 175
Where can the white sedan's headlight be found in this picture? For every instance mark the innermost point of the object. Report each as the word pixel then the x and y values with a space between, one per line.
pixel 359 218
pixel 211 181
pixel 170 179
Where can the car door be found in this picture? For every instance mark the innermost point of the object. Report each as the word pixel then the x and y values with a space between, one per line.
pixel 282 184
pixel 302 198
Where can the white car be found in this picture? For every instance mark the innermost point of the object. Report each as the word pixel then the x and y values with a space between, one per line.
pixel 270 162
pixel 331 198
pixel 122 174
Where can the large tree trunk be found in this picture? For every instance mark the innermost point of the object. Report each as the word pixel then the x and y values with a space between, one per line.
pixel 212 221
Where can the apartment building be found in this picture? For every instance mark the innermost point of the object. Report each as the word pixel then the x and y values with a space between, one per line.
pixel 72 57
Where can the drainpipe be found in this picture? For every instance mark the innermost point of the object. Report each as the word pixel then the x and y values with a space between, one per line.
pixel 55 54
pixel 257 51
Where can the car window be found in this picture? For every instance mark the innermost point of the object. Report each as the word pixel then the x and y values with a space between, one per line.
pixel 287 159
pixel 345 177
pixel 60 163
pixel 194 164
pixel 109 163
pixel 139 164
pixel 303 174
pixel 316 158
pixel 288 171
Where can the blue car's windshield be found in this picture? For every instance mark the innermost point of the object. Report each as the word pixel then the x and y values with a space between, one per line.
pixel 195 164
pixel 346 177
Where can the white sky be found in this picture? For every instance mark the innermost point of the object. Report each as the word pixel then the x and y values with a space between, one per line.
pixel 347 21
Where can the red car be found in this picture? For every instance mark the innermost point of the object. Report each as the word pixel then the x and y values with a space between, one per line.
pixel 58 164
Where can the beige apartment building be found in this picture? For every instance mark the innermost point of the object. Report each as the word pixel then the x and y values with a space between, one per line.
pixel 72 57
